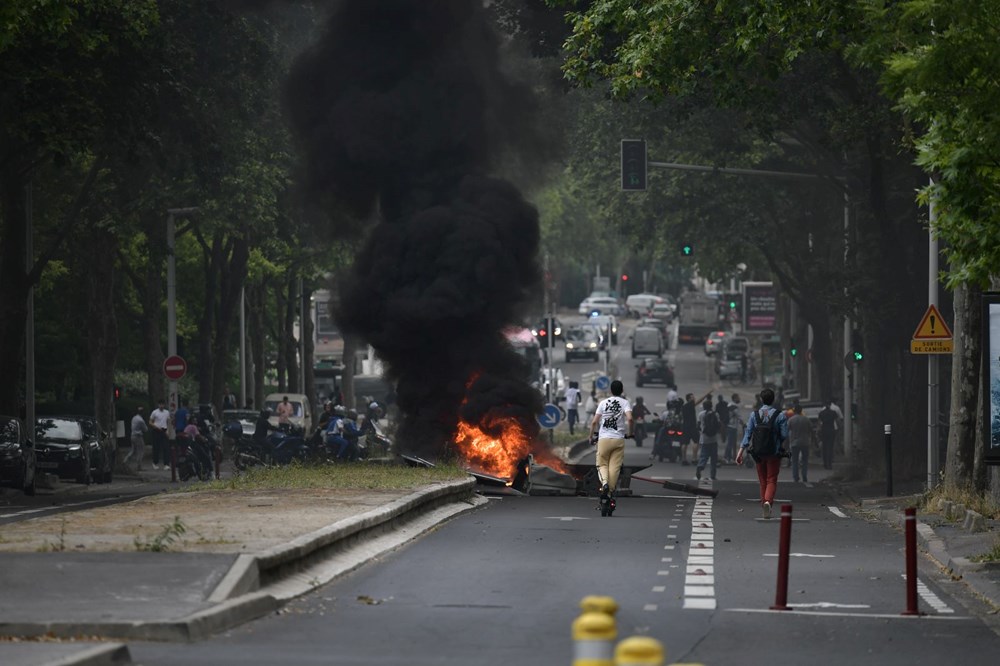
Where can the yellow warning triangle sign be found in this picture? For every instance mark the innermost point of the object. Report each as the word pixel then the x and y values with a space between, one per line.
pixel 932 326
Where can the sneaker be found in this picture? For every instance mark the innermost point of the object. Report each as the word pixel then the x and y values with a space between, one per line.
pixel 697 473
pixel 767 509
pixel 605 491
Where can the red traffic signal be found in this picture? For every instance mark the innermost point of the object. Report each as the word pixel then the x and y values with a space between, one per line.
pixel 624 278
pixel 117 392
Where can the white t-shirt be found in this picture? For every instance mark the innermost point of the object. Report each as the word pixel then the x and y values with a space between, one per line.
pixel 671 395
pixel 572 398
pixel 613 413
pixel 159 418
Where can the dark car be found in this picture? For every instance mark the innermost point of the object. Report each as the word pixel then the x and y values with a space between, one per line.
pixel 541 331
pixel 75 447
pixel 17 456
pixel 654 371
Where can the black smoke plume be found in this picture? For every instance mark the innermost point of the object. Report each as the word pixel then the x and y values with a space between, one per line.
pixel 403 111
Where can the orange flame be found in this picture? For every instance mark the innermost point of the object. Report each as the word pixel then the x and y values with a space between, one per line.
pixel 497 455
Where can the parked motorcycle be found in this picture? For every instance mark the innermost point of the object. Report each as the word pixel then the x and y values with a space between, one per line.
pixel 280 447
pixel 195 457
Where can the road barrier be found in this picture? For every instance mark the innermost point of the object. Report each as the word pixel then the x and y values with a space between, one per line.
pixel 594 634
pixel 784 547
pixel 910 520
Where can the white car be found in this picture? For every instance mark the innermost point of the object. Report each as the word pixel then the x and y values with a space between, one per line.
pixel 714 342
pixel 604 321
pixel 602 305
pixel 640 305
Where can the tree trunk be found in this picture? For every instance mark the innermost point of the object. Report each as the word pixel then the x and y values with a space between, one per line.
pixel 102 324
pixel 13 287
pixel 209 315
pixel 256 301
pixel 289 341
pixel 151 294
pixel 280 333
pixel 234 272
pixel 347 378
pixel 965 383
pixel 308 362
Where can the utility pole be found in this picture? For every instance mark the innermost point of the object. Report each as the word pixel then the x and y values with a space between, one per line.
pixel 172 213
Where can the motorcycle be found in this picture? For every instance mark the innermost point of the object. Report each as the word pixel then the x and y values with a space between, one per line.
pixel 280 447
pixel 669 435
pixel 195 457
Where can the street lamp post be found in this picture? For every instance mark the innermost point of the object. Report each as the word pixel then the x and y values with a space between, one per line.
pixel 172 294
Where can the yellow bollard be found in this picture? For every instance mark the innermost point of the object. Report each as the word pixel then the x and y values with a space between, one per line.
pixel 594 637
pixel 639 651
pixel 598 604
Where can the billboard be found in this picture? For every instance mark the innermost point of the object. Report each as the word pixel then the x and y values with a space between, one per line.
pixel 760 307
pixel 991 376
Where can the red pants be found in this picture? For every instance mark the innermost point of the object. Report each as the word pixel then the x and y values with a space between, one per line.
pixel 767 473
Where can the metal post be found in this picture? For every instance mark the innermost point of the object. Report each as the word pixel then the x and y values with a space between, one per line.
pixel 171 305
pixel 911 561
pixel 243 348
pixel 302 338
pixel 784 550
pixel 888 460
pixel 29 330
pixel 848 388
pixel 933 453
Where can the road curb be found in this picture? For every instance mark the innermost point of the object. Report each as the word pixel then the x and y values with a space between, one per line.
pixel 238 597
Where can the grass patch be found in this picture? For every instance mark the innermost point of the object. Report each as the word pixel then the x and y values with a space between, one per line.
pixel 162 541
pixel 979 502
pixel 992 555
pixel 345 476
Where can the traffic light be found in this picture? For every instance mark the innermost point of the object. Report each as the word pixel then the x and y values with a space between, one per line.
pixel 732 305
pixel 633 164
pixel 117 392
pixel 857 349
pixel 687 250
pixel 624 277
pixel 794 350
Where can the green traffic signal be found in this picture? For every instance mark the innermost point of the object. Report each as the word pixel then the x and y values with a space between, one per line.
pixel 858 356
pixel 687 250
pixel 732 305
pixel 794 351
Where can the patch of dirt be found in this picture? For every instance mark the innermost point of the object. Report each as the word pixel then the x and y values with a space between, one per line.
pixel 215 521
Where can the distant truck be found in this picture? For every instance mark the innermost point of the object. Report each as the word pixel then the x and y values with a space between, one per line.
pixel 698 315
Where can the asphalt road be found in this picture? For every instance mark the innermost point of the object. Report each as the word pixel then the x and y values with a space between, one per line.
pixel 66 496
pixel 502 585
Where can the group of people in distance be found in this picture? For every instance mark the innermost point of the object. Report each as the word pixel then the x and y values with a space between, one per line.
pixel 779 434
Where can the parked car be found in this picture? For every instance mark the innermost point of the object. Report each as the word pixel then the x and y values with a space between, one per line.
pixel 17 456
pixel 605 321
pixel 646 341
pixel 103 450
pixel 640 305
pixel 714 342
pixel 601 305
pixel 541 330
pixel 247 418
pixel 728 364
pixel 654 371
pixel 582 341
pixel 62 449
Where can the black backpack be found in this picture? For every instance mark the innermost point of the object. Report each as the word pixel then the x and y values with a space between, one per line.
pixel 710 426
pixel 762 439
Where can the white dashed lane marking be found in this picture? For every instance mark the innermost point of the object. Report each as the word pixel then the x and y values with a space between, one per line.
pixel 837 512
pixel 699 580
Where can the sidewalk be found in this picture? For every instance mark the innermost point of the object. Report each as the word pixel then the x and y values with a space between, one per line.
pixel 241 556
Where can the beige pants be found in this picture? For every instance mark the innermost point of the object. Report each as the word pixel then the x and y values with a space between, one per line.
pixel 610 455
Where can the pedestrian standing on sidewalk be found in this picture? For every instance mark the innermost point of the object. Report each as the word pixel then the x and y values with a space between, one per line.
pixel 772 423
pixel 572 396
pixel 708 451
pixel 800 435
pixel 159 421
pixel 138 437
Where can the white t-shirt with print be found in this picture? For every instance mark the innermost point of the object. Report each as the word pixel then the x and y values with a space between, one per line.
pixel 613 413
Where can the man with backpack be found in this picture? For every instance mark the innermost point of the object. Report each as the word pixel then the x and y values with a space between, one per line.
pixel 767 430
pixel 708 451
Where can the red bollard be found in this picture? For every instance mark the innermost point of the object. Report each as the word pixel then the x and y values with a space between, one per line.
pixel 911 562
pixel 784 547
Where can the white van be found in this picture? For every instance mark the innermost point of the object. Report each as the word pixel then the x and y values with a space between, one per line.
pixel 640 305
pixel 647 341
pixel 301 414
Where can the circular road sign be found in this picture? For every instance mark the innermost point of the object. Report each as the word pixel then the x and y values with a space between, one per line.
pixel 550 417
pixel 603 383
pixel 174 367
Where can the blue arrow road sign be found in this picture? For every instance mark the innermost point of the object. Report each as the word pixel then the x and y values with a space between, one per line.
pixel 603 383
pixel 550 417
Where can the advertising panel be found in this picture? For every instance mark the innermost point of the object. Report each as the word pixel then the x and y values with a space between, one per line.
pixel 760 307
pixel 991 375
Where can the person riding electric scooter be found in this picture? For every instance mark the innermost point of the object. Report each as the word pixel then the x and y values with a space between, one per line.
pixel 611 426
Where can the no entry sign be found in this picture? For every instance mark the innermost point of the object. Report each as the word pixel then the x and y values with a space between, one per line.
pixel 174 367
